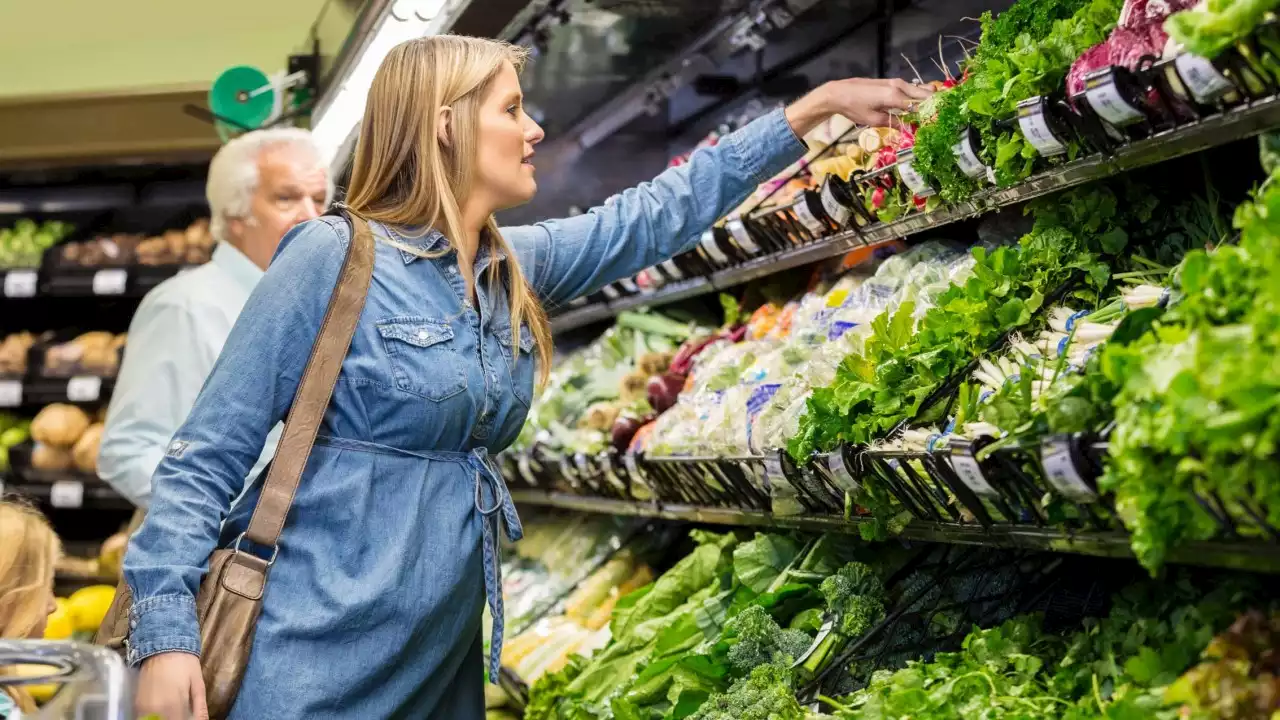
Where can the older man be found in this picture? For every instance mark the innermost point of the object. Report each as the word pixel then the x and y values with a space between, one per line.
pixel 260 185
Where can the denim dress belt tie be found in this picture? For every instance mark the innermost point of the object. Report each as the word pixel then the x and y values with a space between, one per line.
pixel 500 510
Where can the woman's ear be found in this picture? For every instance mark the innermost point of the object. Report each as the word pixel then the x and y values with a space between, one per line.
pixel 444 127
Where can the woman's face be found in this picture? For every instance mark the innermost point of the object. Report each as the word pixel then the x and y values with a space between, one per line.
pixel 506 136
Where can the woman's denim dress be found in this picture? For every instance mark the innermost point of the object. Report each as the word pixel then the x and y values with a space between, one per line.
pixel 373 604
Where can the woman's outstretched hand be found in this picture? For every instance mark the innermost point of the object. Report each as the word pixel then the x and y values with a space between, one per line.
pixel 865 101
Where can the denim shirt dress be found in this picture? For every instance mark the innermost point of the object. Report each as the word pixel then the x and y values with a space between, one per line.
pixel 373 604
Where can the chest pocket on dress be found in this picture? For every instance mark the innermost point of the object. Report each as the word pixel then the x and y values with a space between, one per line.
pixel 423 359
pixel 519 364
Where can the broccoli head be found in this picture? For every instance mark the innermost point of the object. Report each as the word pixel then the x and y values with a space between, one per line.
pixel 855 601
pixel 756 639
pixel 765 694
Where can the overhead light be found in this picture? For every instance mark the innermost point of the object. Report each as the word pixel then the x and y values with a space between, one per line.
pixel 335 124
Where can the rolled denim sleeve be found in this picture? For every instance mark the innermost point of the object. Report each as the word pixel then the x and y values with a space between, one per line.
pixel 252 385
pixel 654 221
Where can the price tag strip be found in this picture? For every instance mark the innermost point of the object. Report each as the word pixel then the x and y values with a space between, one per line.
pixel 911 177
pixel 712 249
pixel 606 466
pixel 783 495
pixel 967 159
pixel 807 218
pixel 110 281
pixel 740 234
pixel 1061 471
pixel 836 211
pixel 970 473
pixel 67 494
pixel 567 470
pixel 526 471
pixel 1035 128
pixel 670 268
pixel 1105 99
pixel 84 388
pixel 10 393
pixel 1202 78
pixel 585 470
pixel 840 473
pixel 20 283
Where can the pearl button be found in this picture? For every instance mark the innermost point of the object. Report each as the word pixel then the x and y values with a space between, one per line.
pixel 422 334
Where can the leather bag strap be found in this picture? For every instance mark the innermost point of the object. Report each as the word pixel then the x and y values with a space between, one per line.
pixel 316 387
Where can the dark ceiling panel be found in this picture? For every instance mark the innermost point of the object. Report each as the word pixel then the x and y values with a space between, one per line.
pixel 604 47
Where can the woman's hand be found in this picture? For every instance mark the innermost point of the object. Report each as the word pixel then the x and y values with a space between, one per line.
pixel 172 687
pixel 865 101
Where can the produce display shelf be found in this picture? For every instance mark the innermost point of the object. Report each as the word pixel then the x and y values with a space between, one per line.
pixel 1251 556
pixel 37 391
pixel 132 281
pixel 1228 126
pixel 70 491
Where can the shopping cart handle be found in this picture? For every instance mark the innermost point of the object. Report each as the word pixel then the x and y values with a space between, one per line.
pixel 94 682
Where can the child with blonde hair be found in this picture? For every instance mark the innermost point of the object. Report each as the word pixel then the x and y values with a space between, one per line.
pixel 29 549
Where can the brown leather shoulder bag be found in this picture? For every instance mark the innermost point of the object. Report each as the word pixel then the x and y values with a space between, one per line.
pixel 230 596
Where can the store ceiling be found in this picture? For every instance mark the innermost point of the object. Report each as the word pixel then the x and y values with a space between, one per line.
pixel 607 45
pixel 103 80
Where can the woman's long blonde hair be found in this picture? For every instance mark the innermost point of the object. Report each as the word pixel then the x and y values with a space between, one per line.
pixel 403 176
pixel 29 550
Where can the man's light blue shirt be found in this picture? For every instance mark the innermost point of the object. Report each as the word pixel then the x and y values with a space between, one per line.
pixel 174 339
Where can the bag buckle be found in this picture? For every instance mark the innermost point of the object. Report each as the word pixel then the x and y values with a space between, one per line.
pixel 275 550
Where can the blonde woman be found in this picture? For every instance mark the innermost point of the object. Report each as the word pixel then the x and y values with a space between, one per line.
pixel 373 605
pixel 29 549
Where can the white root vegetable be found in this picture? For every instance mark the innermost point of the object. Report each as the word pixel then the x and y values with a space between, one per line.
pixel 1143 296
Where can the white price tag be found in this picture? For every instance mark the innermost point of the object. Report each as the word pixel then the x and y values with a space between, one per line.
pixel 970 473
pixel 840 473
pixel 713 250
pixel 1202 79
pixel 1104 97
pixel 838 213
pixel 807 218
pixel 629 285
pixel 1035 128
pixel 740 234
pixel 84 388
pixel 609 292
pixel 670 268
pixel 629 462
pixel 773 468
pixel 10 393
pixel 110 281
pixel 913 179
pixel 67 494
pixel 526 472
pixel 606 466
pixel 20 283
pixel 1055 455
pixel 967 160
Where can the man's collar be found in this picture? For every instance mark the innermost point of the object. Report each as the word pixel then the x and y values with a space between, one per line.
pixel 235 263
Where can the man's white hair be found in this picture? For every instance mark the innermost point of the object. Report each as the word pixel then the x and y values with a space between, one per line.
pixel 233 174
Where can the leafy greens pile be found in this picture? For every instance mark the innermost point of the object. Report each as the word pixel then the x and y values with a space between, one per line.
pixel 1217 24
pixel 1198 412
pixel 905 359
pixel 1114 668
pixel 718 635
pixel 1025 51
